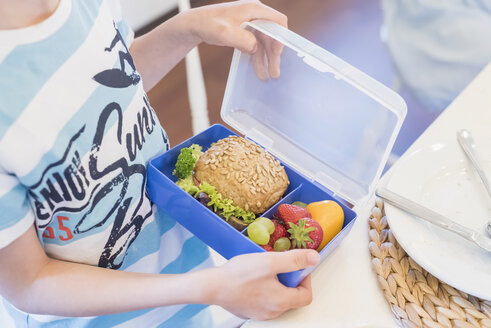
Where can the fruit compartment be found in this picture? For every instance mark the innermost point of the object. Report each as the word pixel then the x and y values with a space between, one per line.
pixel 299 189
pixel 208 226
pixel 308 192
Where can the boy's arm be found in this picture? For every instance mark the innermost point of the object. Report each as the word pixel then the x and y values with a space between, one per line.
pixel 158 51
pixel 246 285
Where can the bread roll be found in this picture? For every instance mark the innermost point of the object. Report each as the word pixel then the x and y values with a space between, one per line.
pixel 243 172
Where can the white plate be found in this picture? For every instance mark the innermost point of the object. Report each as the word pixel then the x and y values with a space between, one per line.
pixel 441 177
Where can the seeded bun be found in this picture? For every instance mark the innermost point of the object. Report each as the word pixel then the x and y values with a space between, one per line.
pixel 243 172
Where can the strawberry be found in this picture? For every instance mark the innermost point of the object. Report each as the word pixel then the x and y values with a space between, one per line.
pixel 306 234
pixel 279 232
pixel 292 213
pixel 268 248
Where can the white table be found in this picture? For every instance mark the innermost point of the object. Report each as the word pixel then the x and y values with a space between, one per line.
pixel 345 288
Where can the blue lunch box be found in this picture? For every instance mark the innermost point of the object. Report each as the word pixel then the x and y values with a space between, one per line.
pixel 331 126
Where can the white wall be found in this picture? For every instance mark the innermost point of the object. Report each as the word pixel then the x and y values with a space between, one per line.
pixel 141 12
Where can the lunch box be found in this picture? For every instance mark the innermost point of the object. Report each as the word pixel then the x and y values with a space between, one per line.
pixel 330 125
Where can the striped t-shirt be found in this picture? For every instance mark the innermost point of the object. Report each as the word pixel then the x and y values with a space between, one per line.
pixel 76 134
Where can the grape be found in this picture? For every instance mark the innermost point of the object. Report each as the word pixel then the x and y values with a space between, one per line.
pixel 301 204
pixel 282 244
pixel 258 233
pixel 267 223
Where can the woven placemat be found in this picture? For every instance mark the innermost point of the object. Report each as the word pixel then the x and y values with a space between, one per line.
pixel 417 298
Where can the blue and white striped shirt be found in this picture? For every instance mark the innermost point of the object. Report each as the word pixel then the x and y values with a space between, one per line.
pixel 76 134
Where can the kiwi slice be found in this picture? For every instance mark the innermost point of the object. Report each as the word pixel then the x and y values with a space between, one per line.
pixel 301 204
pixel 237 223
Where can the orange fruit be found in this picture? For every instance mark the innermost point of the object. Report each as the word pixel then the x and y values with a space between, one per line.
pixel 330 216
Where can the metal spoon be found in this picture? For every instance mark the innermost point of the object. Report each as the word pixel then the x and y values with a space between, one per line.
pixel 468 145
pixel 433 217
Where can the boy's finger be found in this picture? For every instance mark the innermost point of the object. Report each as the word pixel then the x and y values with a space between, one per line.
pixel 242 39
pixel 302 295
pixel 259 62
pixel 274 62
pixel 293 260
pixel 246 42
pixel 273 53
pixel 306 283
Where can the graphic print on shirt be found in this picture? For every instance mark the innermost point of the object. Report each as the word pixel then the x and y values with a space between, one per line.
pixel 117 77
pixel 85 194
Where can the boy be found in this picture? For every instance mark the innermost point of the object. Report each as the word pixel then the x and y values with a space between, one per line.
pixel 80 243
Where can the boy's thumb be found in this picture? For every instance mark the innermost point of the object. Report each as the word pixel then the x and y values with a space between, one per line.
pixel 296 259
pixel 243 40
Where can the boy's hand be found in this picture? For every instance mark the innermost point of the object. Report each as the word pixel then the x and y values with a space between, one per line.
pixel 221 25
pixel 247 285
pixel 158 51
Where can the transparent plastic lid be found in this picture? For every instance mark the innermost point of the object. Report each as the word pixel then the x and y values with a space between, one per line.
pixel 328 120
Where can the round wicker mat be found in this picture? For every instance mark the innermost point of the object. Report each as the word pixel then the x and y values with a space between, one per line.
pixel 417 298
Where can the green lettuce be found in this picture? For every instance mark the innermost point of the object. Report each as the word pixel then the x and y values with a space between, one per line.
pixel 184 171
pixel 225 204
